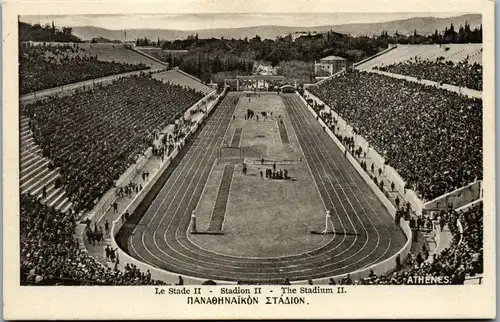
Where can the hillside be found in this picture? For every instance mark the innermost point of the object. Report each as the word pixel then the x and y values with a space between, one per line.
pixel 424 26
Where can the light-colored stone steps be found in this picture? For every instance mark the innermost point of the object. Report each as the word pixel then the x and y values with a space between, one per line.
pixel 35 173
pixel 25 153
pixel 34 168
pixel 40 181
pixel 58 199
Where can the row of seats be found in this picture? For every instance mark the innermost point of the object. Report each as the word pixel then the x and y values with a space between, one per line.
pixel 118 53
pixel 461 74
pixel 37 176
pixel 43 66
pixel 432 137
pixel 50 252
pixel 464 257
pixel 179 78
pixel 94 136
pixel 472 53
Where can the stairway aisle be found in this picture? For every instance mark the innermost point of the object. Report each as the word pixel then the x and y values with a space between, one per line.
pixel 36 172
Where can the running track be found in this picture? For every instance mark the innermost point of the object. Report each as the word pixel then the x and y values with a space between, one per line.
pixel 365 235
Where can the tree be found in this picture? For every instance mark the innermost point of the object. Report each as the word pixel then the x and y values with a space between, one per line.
pixel 256 38
pixel 67 31
pixel 49 32
pixel 461 34
pixel 436 38
pixel 450 35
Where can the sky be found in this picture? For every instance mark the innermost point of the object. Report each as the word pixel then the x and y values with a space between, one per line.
pixel 224 20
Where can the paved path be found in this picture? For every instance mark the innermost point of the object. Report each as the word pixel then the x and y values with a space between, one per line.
pixel 235 142
pixel 366 233
pixel 445 239
pixel 219 210
pixel 283 132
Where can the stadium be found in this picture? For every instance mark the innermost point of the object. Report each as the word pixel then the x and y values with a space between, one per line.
pixel 192 162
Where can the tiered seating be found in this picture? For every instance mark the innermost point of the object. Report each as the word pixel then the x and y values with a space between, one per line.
pixel 449 52
pixel 461 74
pixel 454 52
pixel 463 258
pixel 94 136
pixel 44 66
pixel 409 53
pixel 118 53
pixel 50 253
pixel 432 137
pixel 393 55
pixel 476 58
pixel 177 77
pixel 38 176
pixel 155 52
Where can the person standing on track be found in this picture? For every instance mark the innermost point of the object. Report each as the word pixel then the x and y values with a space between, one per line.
pixel 193 221
pixel 106 227
pixel 108 251
pixel 328 219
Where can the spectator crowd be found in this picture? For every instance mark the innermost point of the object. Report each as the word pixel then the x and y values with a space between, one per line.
pixel 50 254
pixel 432 137
pixel 463 258
pixel 43 66
pixel 95 135
pixel 461 74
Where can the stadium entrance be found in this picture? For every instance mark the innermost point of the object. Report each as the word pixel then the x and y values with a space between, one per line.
pixel 255 83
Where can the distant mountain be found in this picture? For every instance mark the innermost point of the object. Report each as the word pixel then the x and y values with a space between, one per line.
pixel 423 25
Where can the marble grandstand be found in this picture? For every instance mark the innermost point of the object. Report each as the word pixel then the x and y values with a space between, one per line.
pixel 401 53
pixel 37 173
pixel 179 77
pixel 119 53
pixel 147 95
pixel 123 54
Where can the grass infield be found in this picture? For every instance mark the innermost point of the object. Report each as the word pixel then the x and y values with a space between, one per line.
pixel 263 217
